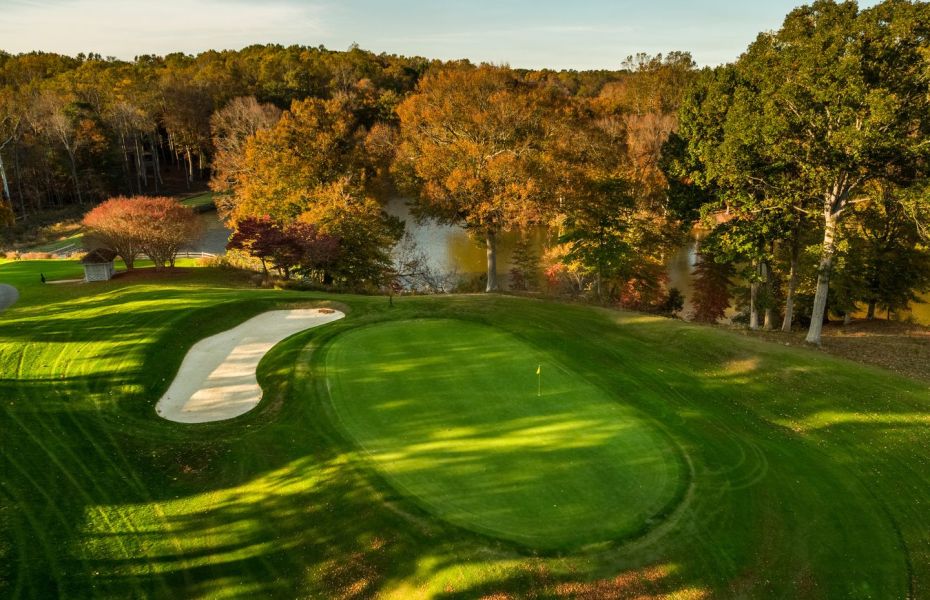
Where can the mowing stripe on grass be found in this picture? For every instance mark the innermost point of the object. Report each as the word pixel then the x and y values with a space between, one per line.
pixel 448 412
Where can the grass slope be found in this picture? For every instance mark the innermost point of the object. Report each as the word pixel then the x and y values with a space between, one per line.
pixel 200 202
pixel 448 410
pixel 811 475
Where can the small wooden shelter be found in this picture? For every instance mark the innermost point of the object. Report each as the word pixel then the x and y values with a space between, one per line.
pixel 98 264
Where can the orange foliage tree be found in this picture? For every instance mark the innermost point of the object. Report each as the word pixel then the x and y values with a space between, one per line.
pixel 317 165
pixel 473 147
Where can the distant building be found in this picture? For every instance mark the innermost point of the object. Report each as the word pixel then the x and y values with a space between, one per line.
pixel 98 265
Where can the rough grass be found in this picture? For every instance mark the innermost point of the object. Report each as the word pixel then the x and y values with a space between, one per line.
pixel 810 474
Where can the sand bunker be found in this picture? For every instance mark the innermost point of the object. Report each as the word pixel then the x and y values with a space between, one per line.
pixel 217 378
pixel 8 295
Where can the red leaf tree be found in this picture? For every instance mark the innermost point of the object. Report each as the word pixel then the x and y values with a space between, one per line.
pixel 156 226
pixel 297 247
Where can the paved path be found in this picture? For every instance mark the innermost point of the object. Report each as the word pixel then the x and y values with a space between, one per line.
pixel 8 295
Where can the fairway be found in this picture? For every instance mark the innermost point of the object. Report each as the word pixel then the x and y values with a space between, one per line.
pixel 448 412
pixel 661 459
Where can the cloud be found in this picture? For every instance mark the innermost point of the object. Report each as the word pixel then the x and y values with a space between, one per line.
pixel 128 28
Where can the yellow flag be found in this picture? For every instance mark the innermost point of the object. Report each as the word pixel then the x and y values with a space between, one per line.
pixel 538 369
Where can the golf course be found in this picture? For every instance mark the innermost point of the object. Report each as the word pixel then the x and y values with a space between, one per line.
pixel 412 451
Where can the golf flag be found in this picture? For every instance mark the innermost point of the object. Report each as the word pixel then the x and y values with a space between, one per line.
pixel 538 381
pixel 538 369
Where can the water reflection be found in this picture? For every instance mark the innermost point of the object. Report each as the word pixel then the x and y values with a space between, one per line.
pixel 215 234
pixel 452 249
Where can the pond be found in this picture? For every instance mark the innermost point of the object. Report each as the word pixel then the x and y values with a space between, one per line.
pixel 215 234
pixel 452 250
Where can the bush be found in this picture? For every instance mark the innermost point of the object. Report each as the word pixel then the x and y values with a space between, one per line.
pixel 472 285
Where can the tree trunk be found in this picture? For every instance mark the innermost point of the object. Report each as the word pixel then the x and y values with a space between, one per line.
pixel 491 244
pixel 156 160
pixel 142 177
pixel 823 277
pixel 769 323
pixel 6 185
pixel 792 283
pixel 871 314
pixel 74 175
pixel 847 318
pixel 19 179
pixel 189 174
pixel 753 299
pixel 126 168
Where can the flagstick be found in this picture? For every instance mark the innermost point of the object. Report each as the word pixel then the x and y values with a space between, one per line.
pixel 539 380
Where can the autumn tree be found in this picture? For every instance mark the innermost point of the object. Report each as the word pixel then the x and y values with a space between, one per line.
pixel 257 237
pixel 295 247
pixel 114 224
pixel 314 144
pixel 313 167
pixel 231 127
pixel 712 283
pixel 166 226
pixel 473 144
pixel 157 227
pixel 366 234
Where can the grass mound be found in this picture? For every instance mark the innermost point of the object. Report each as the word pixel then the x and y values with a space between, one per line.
pixel 448 412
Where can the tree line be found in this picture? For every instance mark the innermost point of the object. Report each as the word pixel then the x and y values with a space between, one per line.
pixel 77 130
pixel 815 145
pixel 485 147
pixel 805 160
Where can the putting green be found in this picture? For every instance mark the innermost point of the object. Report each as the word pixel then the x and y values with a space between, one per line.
pixel 448 412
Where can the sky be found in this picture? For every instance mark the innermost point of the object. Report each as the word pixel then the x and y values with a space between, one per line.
pixel 568 34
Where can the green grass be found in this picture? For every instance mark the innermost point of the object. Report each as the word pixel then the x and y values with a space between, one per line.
pixel 448 411
pixel 71 243
pixel 806 476
pixel 200 201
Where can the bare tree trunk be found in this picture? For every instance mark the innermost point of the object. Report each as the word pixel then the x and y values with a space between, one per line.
pixel 847 318
pixel 823 277
pixel 792 283
pixel 74 175
pixel 189 173
pixel 491 244
pixel 156 159
pixel 6 185
pixel 753 299
pixel 870 315
pixel 19 179
pixel 126 168
pixel 142 176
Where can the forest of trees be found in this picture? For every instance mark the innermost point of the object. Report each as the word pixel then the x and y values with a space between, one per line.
pixel 806 160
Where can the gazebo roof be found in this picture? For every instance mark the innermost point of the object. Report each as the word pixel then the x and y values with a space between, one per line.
pixel 99 256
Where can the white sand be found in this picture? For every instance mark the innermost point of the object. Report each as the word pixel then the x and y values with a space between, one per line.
pixel 8 295
pixel 217 377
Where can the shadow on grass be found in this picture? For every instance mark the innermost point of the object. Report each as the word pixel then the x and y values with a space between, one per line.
pixel 109 501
